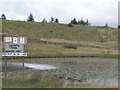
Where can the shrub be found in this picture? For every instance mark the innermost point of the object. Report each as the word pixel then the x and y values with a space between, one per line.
pixel 70 46
pixel 70 25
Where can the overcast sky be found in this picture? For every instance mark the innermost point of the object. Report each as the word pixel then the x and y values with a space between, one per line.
pixel 98 12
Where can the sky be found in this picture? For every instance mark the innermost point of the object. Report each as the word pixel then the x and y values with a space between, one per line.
pixel 118 13
pixel 98 12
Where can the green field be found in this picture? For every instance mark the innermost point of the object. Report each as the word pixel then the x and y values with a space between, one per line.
pixel 50 39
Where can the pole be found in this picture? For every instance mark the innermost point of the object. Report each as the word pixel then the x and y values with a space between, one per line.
pixel 23 67
pixel 5 67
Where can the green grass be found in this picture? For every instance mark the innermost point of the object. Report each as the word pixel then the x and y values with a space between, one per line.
pixel 35 83
pixel 38 81
pixel 78 32
pixel 42 42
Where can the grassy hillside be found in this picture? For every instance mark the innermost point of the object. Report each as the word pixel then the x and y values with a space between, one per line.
pixel 49 39
pixel 52 30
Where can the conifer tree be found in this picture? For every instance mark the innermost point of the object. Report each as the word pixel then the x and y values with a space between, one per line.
pixel 87 22
pixel 30 18
pixel 3 17
pixel 52 20
pixel 74 21
pixel 106 25
pixel 56 20
pixel 44 20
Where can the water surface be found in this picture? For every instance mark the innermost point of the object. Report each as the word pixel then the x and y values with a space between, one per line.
pixel 101 71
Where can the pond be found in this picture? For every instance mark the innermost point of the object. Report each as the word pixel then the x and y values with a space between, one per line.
pixel 101 71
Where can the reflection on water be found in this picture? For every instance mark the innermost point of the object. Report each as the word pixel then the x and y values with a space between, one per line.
pixel 33 66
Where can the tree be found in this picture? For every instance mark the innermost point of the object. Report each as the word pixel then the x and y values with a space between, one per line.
pixel 3 17
pixel 106 25
pixel 30 18
pixel 52 20
pixel 87 22
pixel 82 22
pixel 74 21
pixel 56 20
pixel 44 20
pixel 79 22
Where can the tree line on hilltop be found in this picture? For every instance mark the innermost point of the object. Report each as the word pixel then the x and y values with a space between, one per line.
pixel 31 19
pixel 56 20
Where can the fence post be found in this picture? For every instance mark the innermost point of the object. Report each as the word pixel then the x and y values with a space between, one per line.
pixel 5 67
pixel 23 67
